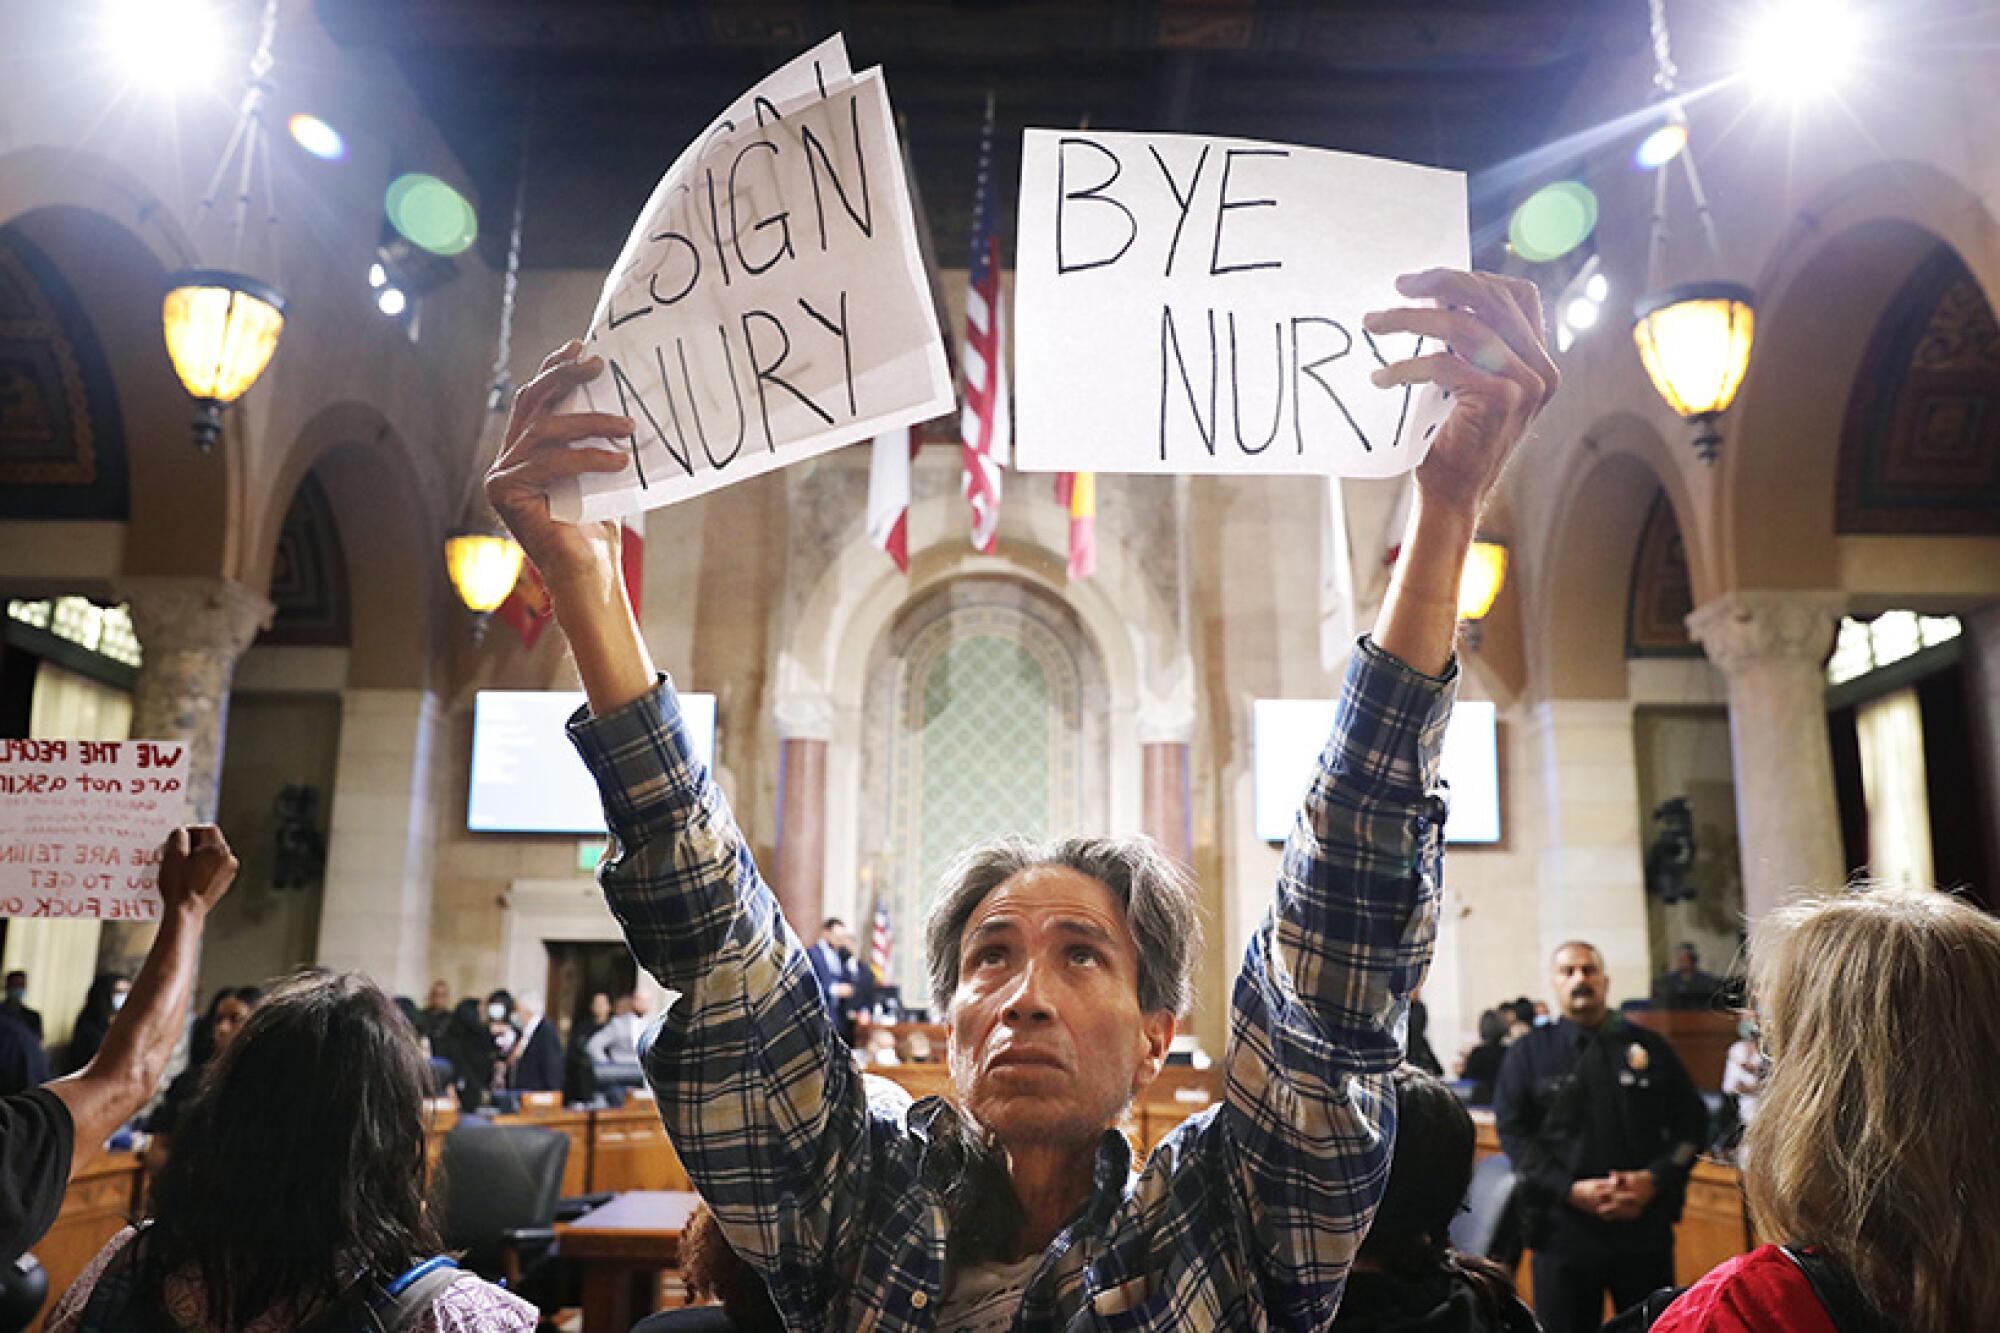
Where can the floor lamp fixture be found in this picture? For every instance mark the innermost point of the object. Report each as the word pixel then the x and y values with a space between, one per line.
pixel 483 559
pixel 221 325
pixel 1693 337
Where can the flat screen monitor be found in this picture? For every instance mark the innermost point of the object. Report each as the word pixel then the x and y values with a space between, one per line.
pixel 1287 736
pixel 527 777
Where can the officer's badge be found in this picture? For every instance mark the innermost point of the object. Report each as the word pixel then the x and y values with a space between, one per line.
pixel 1636 1057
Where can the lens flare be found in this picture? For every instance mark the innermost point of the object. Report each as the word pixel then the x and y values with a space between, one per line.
pixel 317 137
pixel 1553 221
pixel 1660 147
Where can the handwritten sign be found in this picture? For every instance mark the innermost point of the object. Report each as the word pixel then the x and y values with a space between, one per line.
pixel 81 824
pixel 1193 304
pixel 771 304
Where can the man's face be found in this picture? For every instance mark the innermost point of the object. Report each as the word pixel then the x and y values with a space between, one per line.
pixel 1683 961
pixel 641 1002
pixel 838 937
pixel 1580 984
pixel 440 996
pixel 1048 1043
pixel 600 1009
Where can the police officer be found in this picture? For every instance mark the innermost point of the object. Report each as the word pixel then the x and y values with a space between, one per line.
pixel 1602 1125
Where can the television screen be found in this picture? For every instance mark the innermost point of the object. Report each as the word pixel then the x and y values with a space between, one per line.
pixel 1288 734
pixel 526 776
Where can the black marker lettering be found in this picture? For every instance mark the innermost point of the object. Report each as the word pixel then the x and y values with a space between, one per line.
pixel 622 382
pixel 694 274
pixel 782 219
pixel 715 227
pixel 1095 193
pixel 1403 415
pixel 1225 205
pixel 1310 369
pixel 1236 387
pixel 694 404
pixel 1170 337
pixel 865 219
pixel 768 373
pixel 1185 201
pixel 846 347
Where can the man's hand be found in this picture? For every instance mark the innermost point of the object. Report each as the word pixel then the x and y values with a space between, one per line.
pixel 1592 1196
pixel 537 453
pixel 1493 367
pixel 1631 1193
pixel 196 869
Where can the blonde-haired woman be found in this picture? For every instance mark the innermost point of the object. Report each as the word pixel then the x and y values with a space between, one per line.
pixel 1875 1153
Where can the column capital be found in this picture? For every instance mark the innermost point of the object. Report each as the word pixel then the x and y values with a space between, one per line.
pixel 207 617
pixel 804 715
pixel 1767 625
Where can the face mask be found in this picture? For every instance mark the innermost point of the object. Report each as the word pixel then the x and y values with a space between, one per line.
pixel 117 1001
pixel 16 994
pixel 497 1012
pixel 1747 1030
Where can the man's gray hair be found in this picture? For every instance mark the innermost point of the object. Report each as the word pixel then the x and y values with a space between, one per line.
pixel 1158 896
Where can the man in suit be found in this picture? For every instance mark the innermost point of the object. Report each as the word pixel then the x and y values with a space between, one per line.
pixel 538 1052
pixel 843 982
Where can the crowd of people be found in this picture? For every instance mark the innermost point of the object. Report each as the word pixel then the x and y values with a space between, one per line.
pixel 1320 1190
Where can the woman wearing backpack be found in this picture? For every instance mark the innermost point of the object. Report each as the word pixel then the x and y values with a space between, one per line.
pixel 1872 1154
pixel 295 1195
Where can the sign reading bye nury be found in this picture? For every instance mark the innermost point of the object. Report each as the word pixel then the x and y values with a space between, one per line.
pixel 1193 304
pixel 771 304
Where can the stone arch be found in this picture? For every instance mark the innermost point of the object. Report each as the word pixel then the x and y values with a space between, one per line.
pixel 1834 272
pixel 391 542
pixel 1582 593
pixel 185 507
pixel 823 666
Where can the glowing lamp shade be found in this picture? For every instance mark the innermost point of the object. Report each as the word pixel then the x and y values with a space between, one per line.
pixel 1479 586
pixel 1694 340
pixel 222 329
pixel 483 567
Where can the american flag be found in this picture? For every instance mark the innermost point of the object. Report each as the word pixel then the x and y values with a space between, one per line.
pixel 882 941
pixel 983 421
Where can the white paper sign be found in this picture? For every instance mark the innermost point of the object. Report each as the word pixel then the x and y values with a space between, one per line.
pixel 81 825
pixel 771 304
pixel 1193 304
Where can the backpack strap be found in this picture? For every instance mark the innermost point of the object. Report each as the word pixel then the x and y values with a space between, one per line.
pixel 1837 1291
pixel 113 1305
pixel 398 1305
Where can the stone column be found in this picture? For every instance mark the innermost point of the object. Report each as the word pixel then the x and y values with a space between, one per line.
pixel 805 725
pixel 1591 865
pixel 1772 646
pixel 375 915
pixel 1167 816
pixel 192 631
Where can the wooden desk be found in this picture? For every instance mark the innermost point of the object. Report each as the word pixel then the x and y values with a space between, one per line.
pixel 98 1204
pixel 622 1249
pixel 629 1150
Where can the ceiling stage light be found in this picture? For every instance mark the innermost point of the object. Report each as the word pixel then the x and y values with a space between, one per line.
pixel 1597 287
pixel 377 276
pixel 431 215
pixel 1661 146
pixel 1581 313
pixel 317 137
pixel 391 301
pixel 165 43
pixel 1553 221
pixel 1799 49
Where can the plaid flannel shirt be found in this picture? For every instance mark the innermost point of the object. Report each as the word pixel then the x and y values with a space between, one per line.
pixel 1246 1216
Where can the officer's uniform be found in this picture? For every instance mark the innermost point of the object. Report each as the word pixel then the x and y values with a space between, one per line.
pixel 1575 1104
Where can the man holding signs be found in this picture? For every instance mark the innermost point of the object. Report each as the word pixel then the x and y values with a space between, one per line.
pixel 1062 971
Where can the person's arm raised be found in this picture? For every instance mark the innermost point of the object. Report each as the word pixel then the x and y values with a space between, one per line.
pixel 196 869
pixel 578 561
pixel 1498 375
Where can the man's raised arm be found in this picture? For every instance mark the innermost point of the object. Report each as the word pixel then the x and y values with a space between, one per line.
pixel 764 1106
pixel 1317 1017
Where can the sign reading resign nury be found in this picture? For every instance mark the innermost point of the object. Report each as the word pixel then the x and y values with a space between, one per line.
pixel 772 302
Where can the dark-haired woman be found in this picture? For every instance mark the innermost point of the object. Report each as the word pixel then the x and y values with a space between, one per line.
pixel 295 1192
pixel 467 1044
pixel 1407 1276
pixel 101 1001
pixel 213 1032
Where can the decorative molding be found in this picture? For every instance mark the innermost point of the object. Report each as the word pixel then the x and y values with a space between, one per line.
pixel 1758 626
